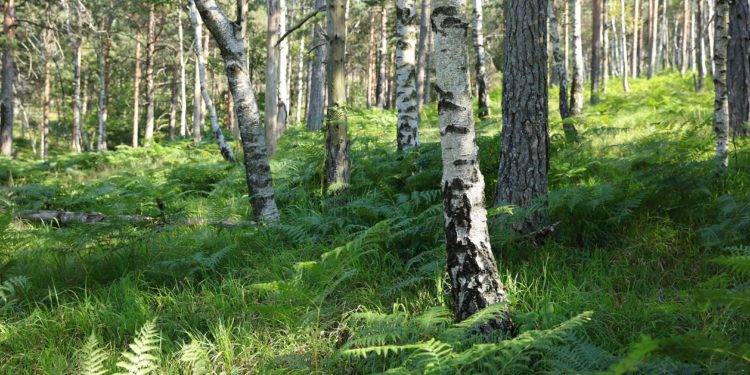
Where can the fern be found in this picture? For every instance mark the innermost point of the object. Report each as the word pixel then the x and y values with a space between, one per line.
pixel 92 357
pixel 9 290
pixel 196 356
pixel 141 358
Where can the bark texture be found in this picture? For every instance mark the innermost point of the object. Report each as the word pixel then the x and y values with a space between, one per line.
pixel 483 96
pixel 596 49
pixel 576 95
pixel 559 67
pixel 183 79
pixel 382 60
pixel 233 51
pixel 136 92
pixel 524 159
pixel 422 48
pixel 407 132
pixel 317 90
pixel 150 84
pixel 738 67
pixel 272 75
pixel 624 47
pixel 337 163
pixel 721 101
pixel 6 103
pixel 475 283
pixel 700 46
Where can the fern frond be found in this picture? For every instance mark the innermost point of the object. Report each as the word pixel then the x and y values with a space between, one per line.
pixel 9 288
pixel 92 357
pixel 140 359
pixel 196 356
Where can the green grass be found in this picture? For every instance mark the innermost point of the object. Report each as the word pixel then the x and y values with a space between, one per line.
pixel 641 214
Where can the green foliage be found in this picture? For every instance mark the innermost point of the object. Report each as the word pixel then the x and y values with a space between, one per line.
pixel 92 358
pixel 10 289
pixel 141 359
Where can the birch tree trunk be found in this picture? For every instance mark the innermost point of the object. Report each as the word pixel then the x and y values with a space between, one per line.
pixel 233 51
pixel 685 36
pixel 44 131
pixel 605 46
pixel 183 79
pixel 272 75
pixel 483 97
pixel 738 67
pixel 560 68
pixel 104 60
pixel 407 132
pixel 300 80
pixel 709 26
pixel 429 63
pixel 173 103
pixel 136 92
pixel 524 159
pixel 700 46
pixel 576 95
pixel 150 100
pixel 634 62
pixel 337 163
pixel 224 148
pixel 721 101
pixel 6 105
pixel 283 74
pixel 197 99
pixel 624 46
pixel 382 59
pixel 475 283
pixel 596 49
pixel 422 48
pixel 76 145
pixel 317 91
pixel 653 39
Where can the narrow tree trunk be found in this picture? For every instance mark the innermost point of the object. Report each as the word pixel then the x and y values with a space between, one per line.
pixel 606 71
pixel 700 50
pixel 483 96
pixel 300 80
pixel 150 52
pixel 429 63
pixel 685 37
pixel 317 91
pixel 371 60
pixel 653 22
pixel 566 36
pixel 738 67
pixel 44 131
pixel 562 75
pixel 224 148
pixel 383 59
pixel 692 39
pixel 624 46
pixel 173 103
pixel 636 23
pixel 576 96
pixel 197 100
pixel 283 74
pixel 407 132
pixel 475 283
pixel 258 170
pixel 136 92
pixel 721 101
pixel 337 163
pixel 6 105
pixel 272 75
pixel 183 79
pixel 596 49
pixel 709 26
pixel 422 47
pixel 104 75
pixel 76 145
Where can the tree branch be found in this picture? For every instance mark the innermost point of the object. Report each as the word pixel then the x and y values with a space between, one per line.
pixel 299 24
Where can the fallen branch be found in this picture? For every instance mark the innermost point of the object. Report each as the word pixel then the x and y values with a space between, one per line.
pixel 64 218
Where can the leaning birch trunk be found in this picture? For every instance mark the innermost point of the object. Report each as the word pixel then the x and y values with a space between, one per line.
pixel 560 68
pixel 721 101
pixel 483 97
pixel 700 46
pixel 475 283
pixel 136 92
pixel 272 75
pixel 422 47
pixel 283 74
pixel 337 163
pixel 150 87
pixel 233 50
pixel 382 59
pixel 738 67
pixel 183 80
pixel 576 95
pixel 317 90
pixel 624 46
pixel 6 102
pixel 224 148
pixel 522 176
pixel 407 128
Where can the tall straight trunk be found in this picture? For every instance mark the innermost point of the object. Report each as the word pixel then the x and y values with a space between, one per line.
pixel 721 100
pixel 738 67
pixel 576 95
pixel 624 46
pixel 653 29
pixel 429 63
pixel 150 53
pixel 471 265
pixel 407 128
pixel 692 39
pixel 224 148
pixel 606 71
pixel 709 26
pixel 383 59
pixel 685 37
pixel 6 105
pixel 204 58
pixel 272 75
pixel 663 51
pixel 77 145
pixel 566 36
pixel 174 102
pixel 183 79
pixel 317 90
pixel 300 80
pixel 636 23
pixel 700 46
pixel 87 143
pixel 596 49
pixel 422 47
pixel 392 90
pixel 371 60
pixel 562 75
pixel 136 92
pixel 283 74
pixel 614 52
pixel 197 99
pixel 104 61
pixel 337 163
pixel 257 168
pixel 524 160
pixel 483 96
pixel 44 131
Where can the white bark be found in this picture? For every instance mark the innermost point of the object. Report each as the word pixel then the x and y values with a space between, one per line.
pixel 406 91
pixel 576 95
pixel 721 100
pixel 272 76
pixel 183 81
pixel 283 73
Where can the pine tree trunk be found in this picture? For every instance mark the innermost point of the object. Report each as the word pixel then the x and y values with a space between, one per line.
pixel 150 99
pixel 422 47
pixel 606 71
pixel 173 103
pixel 475 283
pixel 233 50
pixel 317 91
pixel 596 49
pixel 738 67
pixel 636 22
pixel 483 97
pixel 700 50
pixel 721 101
pixel 300 80
pixel 371 60
pixel 624 46
pixel 576 95
pixel 224 148
pixel 407 132
pixel 183 79
pixel 337 163
pixel 6 105
pixel 522 176
pixel 272 75
pixel 560 68
pixel 383 60
pixel 104 60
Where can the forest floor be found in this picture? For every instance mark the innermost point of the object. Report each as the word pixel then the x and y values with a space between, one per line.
pixel 641 215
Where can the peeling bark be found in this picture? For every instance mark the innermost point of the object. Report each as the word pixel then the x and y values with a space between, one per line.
pixel 407 133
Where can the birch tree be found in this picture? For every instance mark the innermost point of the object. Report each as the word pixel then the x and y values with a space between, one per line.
pixel 103 55
pixel 407 133
pixel 337 163
pixel 136 92
pixel 422 47
pixel 6 105
pixel 150 83
pixel 382 59
pixel 475 283
pixel 721 101
pixel 576 95
pixel 272 75
pixel 317 91
pixel 624 47
pixel 183 80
